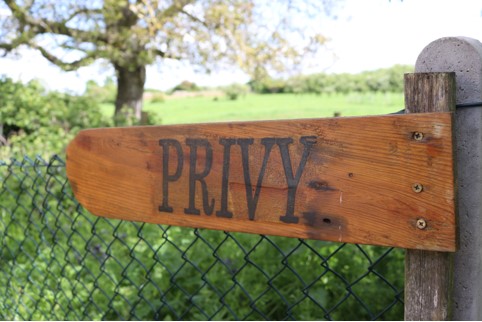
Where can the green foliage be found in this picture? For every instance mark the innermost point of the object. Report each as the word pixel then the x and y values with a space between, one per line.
pixel 186 86
pixel 61 263
pixel 34 121
pixel 101 94
pixel 234 91
pixel 157 97
pixel 127 118
pixel 381 80
pixel 268 86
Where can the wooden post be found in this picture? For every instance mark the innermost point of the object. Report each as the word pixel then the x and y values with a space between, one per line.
pixel 428 275
pixel 463 56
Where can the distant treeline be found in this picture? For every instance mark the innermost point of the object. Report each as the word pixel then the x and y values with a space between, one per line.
pixel 380 80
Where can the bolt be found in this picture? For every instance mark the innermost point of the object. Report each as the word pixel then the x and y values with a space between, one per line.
pixel 417 187
pixel 417 136
pixel 421 223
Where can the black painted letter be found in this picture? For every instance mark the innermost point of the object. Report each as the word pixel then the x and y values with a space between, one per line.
pixel 166 177
pixel 224 212
pixel 194 176
pixel 253 200
pixel 293 181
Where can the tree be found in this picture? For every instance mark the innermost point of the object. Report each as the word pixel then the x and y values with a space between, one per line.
pixel 257 36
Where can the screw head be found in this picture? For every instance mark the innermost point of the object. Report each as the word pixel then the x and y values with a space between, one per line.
pixel 421 223
pixel 417 187
pixel 417 136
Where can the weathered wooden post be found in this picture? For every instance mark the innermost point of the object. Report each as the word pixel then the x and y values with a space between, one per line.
pixel 428 274
pixel 429 278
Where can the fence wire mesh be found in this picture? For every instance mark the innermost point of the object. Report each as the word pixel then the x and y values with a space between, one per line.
pixel 58 262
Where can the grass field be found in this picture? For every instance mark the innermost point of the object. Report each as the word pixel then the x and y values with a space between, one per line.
pixel 270 107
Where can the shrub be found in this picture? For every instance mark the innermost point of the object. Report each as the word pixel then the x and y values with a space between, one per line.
pixel 234 91
pixel 268 86
pixel 157 97
pixel 381 80
pixel 34 121
pixel 101 94
pixel 61 263
pixel 186 86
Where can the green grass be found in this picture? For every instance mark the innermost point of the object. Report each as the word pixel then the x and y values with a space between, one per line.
pixel 270 107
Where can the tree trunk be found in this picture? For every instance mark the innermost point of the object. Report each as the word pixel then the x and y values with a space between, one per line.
pixel 130 89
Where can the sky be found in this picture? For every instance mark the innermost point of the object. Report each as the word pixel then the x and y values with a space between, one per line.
pixel 363 35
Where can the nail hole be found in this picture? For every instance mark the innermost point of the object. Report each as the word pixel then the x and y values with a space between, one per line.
pixel 327 220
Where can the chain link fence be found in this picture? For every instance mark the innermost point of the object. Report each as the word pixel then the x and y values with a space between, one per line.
pixel 58 262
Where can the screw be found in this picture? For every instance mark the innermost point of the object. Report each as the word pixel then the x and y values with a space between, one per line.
pixel 417 187
pixel 421 223
pixel 417 136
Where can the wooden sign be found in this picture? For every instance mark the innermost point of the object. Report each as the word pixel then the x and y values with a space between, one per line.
pixel 383 180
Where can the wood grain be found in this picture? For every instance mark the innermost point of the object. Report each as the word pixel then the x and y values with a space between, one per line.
pixel 341 179
pixel 429 274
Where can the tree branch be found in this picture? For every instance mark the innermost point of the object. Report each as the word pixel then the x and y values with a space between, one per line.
pixel 7 48
pixel 174 8
pixel 23 38
pixel 42 26
pixel 66 66
pixel 202 22
pixel 163 54
pixel 16 10
pixel 85 11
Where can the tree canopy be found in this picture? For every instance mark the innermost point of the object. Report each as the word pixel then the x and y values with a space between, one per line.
pixel 256 36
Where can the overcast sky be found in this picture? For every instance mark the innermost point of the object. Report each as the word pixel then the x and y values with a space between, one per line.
pixel 366 35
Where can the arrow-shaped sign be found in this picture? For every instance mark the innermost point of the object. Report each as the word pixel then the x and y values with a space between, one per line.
pixel 383 180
